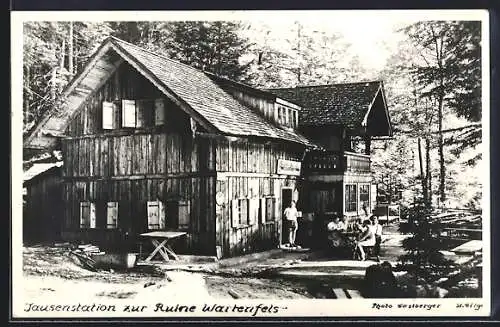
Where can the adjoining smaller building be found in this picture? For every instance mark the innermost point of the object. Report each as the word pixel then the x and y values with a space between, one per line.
pixel 42 205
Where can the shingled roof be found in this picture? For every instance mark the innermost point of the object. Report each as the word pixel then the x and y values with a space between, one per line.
pixel 196 93
pixel 336 104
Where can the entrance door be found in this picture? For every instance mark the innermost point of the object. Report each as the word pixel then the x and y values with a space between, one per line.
pixel 324 201
pixel 286 199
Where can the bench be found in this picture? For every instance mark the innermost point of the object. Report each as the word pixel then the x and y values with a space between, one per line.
pixel 368 252
pixel 342 293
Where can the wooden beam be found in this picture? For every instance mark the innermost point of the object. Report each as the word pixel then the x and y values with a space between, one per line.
pixel 139 177
pixel 160 85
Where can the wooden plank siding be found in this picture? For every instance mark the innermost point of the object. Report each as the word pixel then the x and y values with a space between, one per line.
pixel 132 197
pixel 239 165
pixel 132 166
pixel 133 175
pixel 43 212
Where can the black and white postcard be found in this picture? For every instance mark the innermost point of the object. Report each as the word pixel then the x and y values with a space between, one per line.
pixel 250 164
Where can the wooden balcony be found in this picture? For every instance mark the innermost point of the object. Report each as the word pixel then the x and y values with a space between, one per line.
pixel 336 162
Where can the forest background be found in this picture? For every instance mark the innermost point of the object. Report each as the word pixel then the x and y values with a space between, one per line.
pixel 431 72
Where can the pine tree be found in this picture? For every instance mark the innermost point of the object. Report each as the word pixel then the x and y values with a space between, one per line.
pixel 214 47
pixel 423 258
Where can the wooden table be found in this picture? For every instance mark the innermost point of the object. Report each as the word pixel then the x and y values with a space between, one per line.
pixel 161 241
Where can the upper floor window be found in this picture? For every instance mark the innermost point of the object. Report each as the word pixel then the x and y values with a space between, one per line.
pixel 108 115
pixel 133 113
pixel 129 114
pixel 286 116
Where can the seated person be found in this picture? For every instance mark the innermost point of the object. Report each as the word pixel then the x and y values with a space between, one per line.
pixel 335 224
pixel 344 222
pixel 367 238
pixel 335 228
pixel 357 226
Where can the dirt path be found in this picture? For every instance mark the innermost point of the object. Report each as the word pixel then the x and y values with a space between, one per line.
pixel 51 271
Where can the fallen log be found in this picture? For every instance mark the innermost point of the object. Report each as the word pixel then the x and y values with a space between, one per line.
pixel 234 294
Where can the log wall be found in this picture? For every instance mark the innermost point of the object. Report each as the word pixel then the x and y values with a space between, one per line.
pixel 43 208
pixel 247 169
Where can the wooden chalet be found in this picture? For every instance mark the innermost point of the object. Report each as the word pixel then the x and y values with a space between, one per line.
pixel 153 144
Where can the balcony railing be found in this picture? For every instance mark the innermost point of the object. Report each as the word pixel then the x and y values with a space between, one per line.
pixel 336 162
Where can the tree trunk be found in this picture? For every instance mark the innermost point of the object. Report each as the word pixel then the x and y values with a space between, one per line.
pixel 63 54
pixel 27 98
pixel 442 168
pixel 71 68
pixel 423 177
pixel 428 174
pixel 61 65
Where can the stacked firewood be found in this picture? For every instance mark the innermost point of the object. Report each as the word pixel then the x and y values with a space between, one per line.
pixel 84 255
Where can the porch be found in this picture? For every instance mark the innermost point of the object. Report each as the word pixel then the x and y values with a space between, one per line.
pixel 336 162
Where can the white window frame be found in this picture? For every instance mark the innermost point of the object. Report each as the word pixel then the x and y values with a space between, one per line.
pixel 90 221
pixel 129 113
pixel 238 220
pixel 108 115
pixel 112 215
pixel 346 200
pixel 159 207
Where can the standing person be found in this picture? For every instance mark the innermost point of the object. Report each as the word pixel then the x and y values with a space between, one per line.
pixel 291 218
pixel 377 230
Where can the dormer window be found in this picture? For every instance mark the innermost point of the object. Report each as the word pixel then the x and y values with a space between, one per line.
pixel 286 113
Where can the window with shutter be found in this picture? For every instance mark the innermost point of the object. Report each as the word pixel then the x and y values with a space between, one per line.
pixel 253 212
pixel 156 215
pixel 235 213
pixel 262 210
pixel 112 215
pixel 159 112
pixel 87 215
pixel 184 214
pixel 108 115
pixel 93 217
pixel 84 214
pixel 141 109
pixel 269 209
pixel 128 113
pixel 243 211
